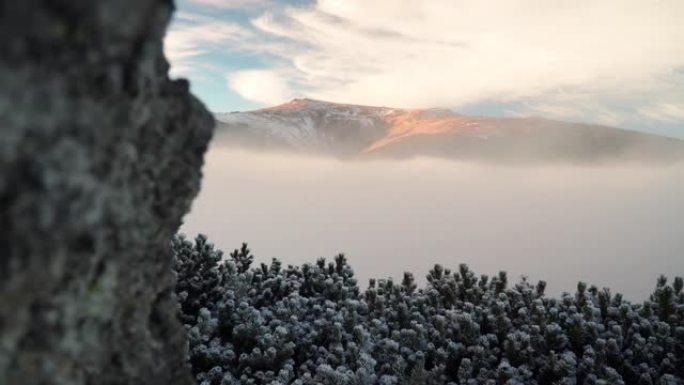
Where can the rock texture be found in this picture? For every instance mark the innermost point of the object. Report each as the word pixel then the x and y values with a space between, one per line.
pixel 100 157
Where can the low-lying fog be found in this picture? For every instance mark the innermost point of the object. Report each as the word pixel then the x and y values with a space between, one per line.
pixel 618 226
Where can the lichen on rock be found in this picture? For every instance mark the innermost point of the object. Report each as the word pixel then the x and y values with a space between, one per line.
pixel 100 157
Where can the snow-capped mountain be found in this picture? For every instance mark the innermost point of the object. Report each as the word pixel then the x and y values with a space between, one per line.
pixel 314 126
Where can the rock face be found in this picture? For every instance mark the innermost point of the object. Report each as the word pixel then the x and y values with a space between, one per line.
pixel 100 157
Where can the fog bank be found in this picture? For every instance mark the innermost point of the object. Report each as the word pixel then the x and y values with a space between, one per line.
pixel 614 226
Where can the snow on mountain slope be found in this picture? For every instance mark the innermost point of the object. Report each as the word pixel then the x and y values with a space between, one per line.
pixel 307 125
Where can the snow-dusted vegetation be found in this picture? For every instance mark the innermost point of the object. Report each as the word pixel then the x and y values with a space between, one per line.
pixel 272 324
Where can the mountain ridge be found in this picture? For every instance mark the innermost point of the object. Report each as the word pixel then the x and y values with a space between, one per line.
pixel 352 130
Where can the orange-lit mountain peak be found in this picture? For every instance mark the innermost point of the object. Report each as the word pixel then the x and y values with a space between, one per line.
pixel 302 103
pixel 292 104
pixel 422 122
pixel 347 130
pixel 397 124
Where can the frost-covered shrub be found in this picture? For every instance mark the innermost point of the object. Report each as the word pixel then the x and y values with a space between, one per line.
pixel 311 324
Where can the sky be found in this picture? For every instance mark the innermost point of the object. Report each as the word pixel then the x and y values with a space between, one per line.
pixel 612 62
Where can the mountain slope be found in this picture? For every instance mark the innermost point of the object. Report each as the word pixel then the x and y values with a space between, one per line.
pixel 312 126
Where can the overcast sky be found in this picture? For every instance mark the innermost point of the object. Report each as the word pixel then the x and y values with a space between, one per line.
pixel 612 62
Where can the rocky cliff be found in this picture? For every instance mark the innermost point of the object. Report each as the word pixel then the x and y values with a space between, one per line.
pixel 100 157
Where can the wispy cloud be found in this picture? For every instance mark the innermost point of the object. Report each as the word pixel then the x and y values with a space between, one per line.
pixel 193 35
pixel 667 112
pixel 453 53
pixel 556 57
pixel 229 4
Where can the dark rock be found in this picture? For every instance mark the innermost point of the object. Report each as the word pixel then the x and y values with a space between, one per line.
pixel 100 157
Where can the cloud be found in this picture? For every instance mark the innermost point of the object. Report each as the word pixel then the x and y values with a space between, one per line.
pixel 589 59
pixel 666 112
pixel 561 223
pixel 261 86
pixel 229 4
pixel 453 53
pixel 574 112
pixel 193 35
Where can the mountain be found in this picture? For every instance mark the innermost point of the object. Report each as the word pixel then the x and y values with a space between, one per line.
pixel 344 130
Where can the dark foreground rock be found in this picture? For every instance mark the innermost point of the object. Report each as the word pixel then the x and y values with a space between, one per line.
pixel 100 157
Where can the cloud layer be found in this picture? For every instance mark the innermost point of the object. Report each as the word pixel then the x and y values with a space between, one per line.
pixel 616 226
pixel 612 60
